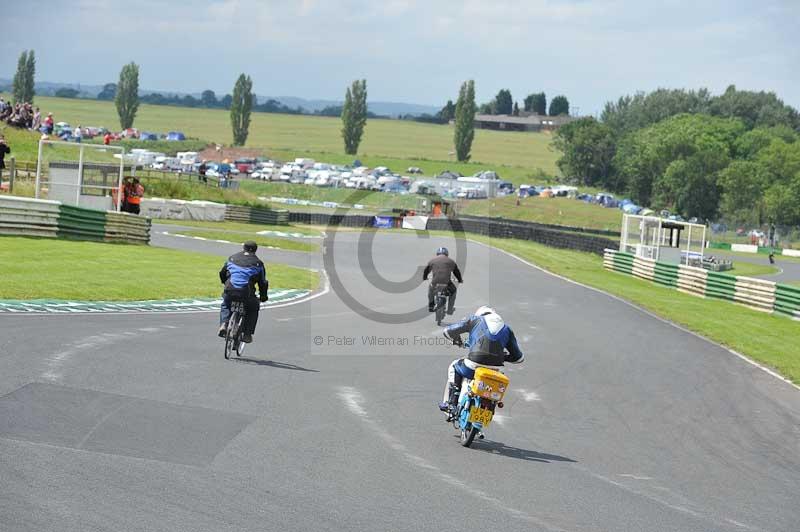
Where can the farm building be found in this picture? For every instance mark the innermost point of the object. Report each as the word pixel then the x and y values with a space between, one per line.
pixel 531 122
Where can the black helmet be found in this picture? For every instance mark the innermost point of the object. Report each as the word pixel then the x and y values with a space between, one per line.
pixel 443 251
pixel 250 246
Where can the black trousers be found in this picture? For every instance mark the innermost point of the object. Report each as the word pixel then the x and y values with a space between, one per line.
pixel 451 300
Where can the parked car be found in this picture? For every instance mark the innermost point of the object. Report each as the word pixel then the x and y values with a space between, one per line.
pixel 504 187
pixel 245 165
pixel 486 174
pixel 414 170
pixel 447 174
pixel 175 135
pixel 60 127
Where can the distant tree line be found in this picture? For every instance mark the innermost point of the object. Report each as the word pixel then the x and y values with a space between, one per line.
pixel 207 100
pixel 734 156
pixel 504 104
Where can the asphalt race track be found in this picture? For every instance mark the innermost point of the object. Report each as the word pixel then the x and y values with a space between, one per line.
pixel 617 421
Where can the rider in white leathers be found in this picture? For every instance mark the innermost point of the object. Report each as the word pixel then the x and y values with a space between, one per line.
pixel 491 344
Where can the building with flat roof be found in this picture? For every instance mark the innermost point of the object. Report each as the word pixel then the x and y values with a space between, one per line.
pixel 532 122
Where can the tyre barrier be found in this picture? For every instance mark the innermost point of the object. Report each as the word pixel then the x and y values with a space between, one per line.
pixel 757 294
pixel 322 218
pixel 53 219
pixel 258 215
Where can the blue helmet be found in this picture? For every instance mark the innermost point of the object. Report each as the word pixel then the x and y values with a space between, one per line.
pixel 443 251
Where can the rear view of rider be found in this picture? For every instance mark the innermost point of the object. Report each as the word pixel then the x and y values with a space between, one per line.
pixel 240 275
pixel 441 268
pixel 491 344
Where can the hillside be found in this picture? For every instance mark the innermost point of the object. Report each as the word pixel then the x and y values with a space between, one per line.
pixel 520 154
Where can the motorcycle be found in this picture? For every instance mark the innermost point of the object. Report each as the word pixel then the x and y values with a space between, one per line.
pixel 439 302
pixel 477 402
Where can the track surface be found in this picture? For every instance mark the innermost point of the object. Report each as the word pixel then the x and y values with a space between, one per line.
pixel 137 423
pixel 789 270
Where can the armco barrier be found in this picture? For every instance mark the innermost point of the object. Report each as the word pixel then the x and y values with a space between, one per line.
pixel 523 231
pixel 554 227
pixel 28 217
pixel 43 218
pixel 757 294
pixel 259 215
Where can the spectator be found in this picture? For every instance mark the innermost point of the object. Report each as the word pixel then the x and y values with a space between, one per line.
pixel 107 138
pixel 202 169
pixel 3 150
pixel 37 120
pixel 49 124
pixel 77 135
pixel 133 196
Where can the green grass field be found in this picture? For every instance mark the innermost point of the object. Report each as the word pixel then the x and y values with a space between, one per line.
pixel 559 211
pixel 261 240
pixel 772 340
pixel 394 143
pixel 118 272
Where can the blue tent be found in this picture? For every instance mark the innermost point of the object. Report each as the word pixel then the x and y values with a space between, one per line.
pixel 176 135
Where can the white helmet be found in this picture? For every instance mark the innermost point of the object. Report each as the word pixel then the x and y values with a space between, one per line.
pixel 493 320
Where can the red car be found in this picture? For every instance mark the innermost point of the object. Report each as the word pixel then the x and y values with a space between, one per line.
pixel 245 166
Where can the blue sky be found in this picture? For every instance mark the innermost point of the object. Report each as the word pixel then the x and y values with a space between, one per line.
pixel 415 51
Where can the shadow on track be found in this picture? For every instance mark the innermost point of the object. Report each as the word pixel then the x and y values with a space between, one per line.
pixel 500 448
pixel 273 364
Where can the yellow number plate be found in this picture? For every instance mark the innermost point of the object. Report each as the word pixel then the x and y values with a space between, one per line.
pixel 480 415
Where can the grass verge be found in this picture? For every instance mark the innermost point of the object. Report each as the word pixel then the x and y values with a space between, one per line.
pixel 39 268
pixel 771 340
pixel 261 240
pixel 748 269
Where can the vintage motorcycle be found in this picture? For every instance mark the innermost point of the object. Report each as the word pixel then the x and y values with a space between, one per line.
pixel 477 402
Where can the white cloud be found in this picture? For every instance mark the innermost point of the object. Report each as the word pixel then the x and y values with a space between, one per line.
pixel 413 50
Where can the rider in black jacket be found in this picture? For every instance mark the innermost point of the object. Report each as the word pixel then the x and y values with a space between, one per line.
pixel 441 268
pixel 240 275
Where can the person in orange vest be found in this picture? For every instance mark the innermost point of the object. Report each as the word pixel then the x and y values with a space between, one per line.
pixel 133 195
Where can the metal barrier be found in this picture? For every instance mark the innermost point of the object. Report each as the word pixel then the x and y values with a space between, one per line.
pixel 52 219
pixel 757 294
pixel 500 228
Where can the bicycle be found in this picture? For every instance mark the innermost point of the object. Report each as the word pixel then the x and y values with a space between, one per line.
pixel 235 330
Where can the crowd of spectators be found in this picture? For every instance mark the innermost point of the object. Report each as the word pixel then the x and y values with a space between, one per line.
pixel 25 116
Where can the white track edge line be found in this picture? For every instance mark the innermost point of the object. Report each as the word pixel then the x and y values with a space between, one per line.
pixel 649 313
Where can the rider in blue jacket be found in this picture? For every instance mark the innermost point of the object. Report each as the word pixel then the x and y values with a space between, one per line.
pixel 240 275
pixel 491 344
